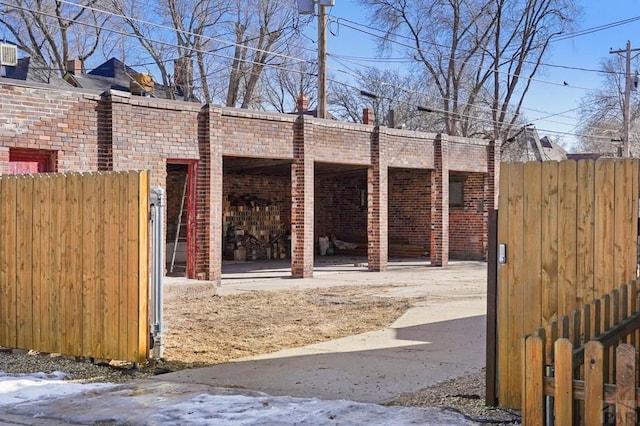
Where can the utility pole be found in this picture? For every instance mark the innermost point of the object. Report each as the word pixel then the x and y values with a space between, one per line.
pixel 322 61
pixel 626 110
pixel 306 7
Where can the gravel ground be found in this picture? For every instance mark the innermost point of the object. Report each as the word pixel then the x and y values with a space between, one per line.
pixel 466 395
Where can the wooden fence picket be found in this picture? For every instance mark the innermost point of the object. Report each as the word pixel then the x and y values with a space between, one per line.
pixel 563 382
pixel 594 383
pixel 533 374
pixel 626 402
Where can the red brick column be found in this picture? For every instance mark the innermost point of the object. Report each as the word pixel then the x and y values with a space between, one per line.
pixel 209 196
pixel 440 202
pixel 377 204
pixel 302 199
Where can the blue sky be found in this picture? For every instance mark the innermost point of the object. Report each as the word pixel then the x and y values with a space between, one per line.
pixel 547 96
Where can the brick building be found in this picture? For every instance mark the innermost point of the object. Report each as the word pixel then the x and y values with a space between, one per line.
pixel 377 187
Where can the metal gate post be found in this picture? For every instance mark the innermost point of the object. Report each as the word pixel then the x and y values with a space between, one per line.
pixel 157 204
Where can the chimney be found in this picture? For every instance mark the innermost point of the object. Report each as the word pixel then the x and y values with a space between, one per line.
pixel 74 66
pixel 367 116
pixel 302 103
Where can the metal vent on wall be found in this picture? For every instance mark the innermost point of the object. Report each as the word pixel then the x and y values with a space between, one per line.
pixel 8 55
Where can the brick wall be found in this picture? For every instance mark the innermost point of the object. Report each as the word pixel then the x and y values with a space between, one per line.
pixel 48 119
pixel 467 223
pixel 410 206
pixel 117 131
pixel 338 207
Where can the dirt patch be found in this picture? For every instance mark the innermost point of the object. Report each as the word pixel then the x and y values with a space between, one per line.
pixel 207 329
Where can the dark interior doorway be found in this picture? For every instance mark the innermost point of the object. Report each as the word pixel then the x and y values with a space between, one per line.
pixel 180 226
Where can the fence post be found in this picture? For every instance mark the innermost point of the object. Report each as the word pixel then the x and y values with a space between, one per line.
pixel 157 327
pixel 492 296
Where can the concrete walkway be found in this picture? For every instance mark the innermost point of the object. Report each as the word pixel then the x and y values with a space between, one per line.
pixel 442 337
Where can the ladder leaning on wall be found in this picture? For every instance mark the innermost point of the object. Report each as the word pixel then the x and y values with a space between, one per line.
pixel 179 225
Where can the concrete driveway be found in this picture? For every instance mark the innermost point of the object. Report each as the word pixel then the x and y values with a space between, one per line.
pixel 439 338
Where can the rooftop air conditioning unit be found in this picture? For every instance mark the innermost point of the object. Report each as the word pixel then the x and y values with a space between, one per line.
pixel 8 55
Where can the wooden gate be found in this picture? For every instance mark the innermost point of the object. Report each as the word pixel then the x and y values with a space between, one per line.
pixel 74 264
pixel 570 234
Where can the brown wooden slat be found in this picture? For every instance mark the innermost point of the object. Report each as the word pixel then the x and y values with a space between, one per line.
pixel 567 245
pixel 61 290
pixel 593 382
pixel 626 385
pixel 503 348
pixel 24 253
pixel 585 228
pixel 90 278
pixel 143 266
pixel 533 393
pixel 73 264
pixel 39 262
pixel 517 284
pixel 623 174
pixel 111 320
pixel 604 226
pixel 563 382
pixel 8 291
pixel 549 266
pixel 530 270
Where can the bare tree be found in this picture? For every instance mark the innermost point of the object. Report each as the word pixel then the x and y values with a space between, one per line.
pixel 53 31
pixel 480 54
pixel 175 33
pixel 282 86
pixel 260 30
pixel 601 113
pixel 384 91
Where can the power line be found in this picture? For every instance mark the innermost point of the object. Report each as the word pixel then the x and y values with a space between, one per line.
pixel 463 62
pixel 172 29
pixel 206 52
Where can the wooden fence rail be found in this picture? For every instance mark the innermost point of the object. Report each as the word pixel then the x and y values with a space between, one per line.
pixel 592 380
pixel 74 264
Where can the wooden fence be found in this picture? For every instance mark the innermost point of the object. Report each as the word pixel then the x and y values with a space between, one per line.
pixel 576 361
pixel 570 232
pixel 74 264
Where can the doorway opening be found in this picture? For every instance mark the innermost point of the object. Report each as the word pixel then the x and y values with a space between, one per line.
pixel 181 214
